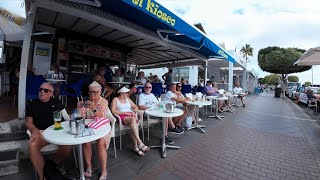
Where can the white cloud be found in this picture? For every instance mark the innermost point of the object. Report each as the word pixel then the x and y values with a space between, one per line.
pixel 285 23
pixel 14 6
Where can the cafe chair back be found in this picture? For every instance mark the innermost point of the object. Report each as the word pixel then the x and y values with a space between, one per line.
pixel 186 89
pixel 72 90
pixel 157 89
pixel 33 84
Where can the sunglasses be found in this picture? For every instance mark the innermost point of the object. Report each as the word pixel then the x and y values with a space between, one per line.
pixel 44 90
pixel 147 87
pixel 179 86
pixel 94 92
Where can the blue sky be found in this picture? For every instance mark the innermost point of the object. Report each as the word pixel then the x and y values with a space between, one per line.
pixel 283 23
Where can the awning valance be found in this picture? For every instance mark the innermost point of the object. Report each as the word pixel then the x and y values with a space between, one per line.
pixel 171 28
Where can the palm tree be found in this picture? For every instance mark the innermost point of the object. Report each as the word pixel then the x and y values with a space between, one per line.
pixel 246 51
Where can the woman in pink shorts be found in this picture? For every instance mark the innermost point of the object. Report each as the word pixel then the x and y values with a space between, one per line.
pixel 125 108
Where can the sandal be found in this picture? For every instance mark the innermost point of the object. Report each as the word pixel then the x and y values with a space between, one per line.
pixel 103 177
pixel 88 172
pixel 137 150
pixel 143 147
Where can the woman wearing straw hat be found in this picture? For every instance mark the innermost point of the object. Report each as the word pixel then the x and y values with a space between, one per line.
pixel 125 108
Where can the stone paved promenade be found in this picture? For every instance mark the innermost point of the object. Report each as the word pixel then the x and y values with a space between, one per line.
pixel 269 139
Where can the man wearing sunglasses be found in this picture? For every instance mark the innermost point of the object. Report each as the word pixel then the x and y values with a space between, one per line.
pixel 148 100
pixel 39 116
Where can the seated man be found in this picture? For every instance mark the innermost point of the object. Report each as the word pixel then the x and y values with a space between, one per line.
pixel 148 100
pixel 39 116
pixel 238 90
pixel 211 90
pixel 171 97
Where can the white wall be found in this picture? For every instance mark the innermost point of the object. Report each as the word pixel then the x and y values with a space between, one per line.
pixel 193 75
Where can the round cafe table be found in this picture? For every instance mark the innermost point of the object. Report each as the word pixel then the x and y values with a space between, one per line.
pixel 63 137
pixel 165 116
pixel 216 99
pixel 197 104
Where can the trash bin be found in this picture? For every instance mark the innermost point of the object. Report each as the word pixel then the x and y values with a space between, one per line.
pixel 277 92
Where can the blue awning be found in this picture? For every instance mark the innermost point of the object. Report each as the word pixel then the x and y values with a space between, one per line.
pixel 171 28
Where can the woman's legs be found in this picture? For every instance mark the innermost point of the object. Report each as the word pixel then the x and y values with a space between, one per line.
pixel 109 92
pixel 132 123
pixel 102 154
pixel 87 154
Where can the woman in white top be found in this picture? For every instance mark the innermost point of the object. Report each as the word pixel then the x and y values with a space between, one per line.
pixel 125 108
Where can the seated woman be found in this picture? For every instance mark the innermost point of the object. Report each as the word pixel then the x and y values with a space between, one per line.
pixel 96 106
pixel 125 108
pixel 107 91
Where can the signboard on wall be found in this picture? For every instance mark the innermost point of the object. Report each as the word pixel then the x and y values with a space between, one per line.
pixel 42 51
pixel 42 57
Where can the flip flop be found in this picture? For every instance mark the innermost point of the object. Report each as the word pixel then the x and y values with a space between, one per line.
pixel 143 147
pixel 137 150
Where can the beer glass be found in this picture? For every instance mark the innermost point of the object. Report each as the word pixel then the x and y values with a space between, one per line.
pixel 57 120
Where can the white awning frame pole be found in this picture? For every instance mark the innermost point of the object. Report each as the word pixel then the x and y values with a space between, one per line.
pixel 24 62
pixel 230 77
pixel 205 73
pixel 244 78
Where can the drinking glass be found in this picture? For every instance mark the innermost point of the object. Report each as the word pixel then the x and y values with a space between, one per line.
pixel 57 120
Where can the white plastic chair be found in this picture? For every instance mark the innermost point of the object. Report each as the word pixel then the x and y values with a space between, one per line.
pixel 314 105
pixel 123 127
pixel 113 134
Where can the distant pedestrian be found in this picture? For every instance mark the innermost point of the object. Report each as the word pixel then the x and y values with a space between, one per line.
pixel 168 78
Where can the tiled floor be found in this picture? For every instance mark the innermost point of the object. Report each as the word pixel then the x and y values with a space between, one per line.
pixel 271 138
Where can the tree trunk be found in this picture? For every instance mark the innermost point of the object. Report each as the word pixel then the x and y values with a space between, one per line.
pixel 283 84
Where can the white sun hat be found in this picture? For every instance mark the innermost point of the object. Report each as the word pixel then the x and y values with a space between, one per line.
pixel 123 90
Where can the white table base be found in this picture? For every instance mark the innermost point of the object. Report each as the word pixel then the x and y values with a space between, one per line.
pixel 163 144
pixel 197 126
pixel 80 160
pixel 216 111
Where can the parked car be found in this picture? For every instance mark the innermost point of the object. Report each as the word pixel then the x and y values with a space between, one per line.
pixel 290 85
pixel 296 94
pixel 292 91
pixel 303 95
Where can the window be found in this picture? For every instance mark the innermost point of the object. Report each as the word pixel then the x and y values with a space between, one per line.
pixel 179 73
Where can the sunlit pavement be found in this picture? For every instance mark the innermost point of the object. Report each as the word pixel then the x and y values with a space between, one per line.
pixel 271 138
